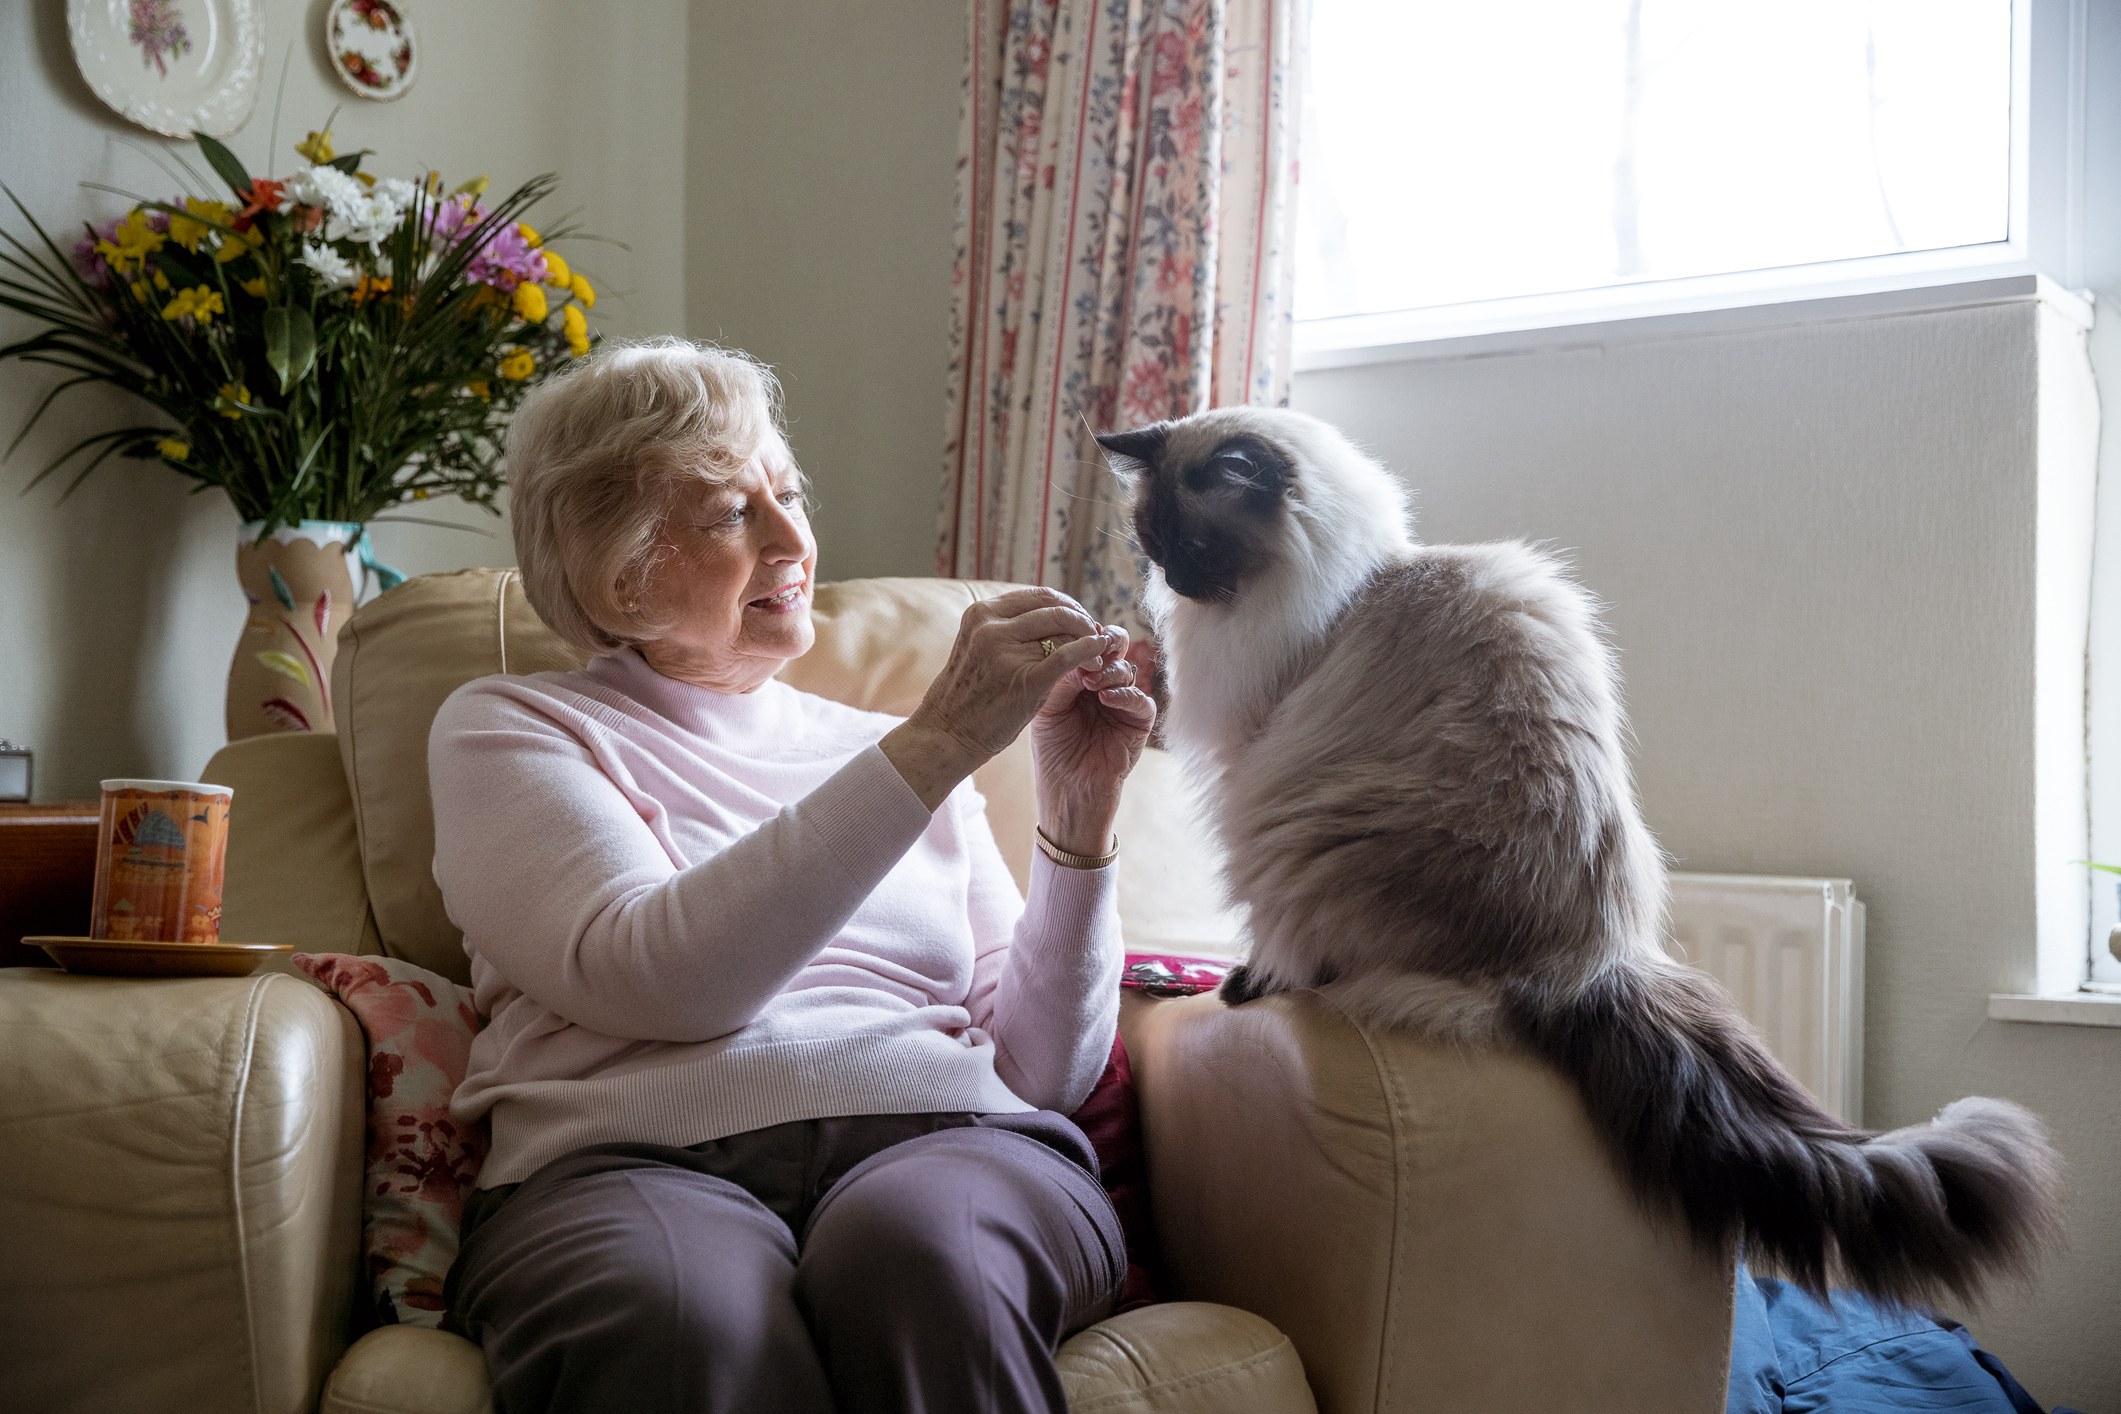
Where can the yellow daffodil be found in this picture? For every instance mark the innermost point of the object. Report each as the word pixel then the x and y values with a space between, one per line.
pixel 475 188
pixel 366 179
pixel 160 280
pixel 556 272
pixel 189 230
pixel 135 240
pixel 316 148
pixel 255 288
pixel 198 303
pixel 237 244
pixel 530 235
pixel 518 366
pixel 529 302
pixel 175 448
pixel 575 325
pixel 583 291
pixel 231 394
pixel 480 389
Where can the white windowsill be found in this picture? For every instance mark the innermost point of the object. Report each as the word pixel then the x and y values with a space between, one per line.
pixel 2069 1009
pixel 1677 309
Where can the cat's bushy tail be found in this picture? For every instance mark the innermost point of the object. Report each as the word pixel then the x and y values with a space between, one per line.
pixel 1696 1112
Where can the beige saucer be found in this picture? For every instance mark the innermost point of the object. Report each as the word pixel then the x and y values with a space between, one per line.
pixel 114 957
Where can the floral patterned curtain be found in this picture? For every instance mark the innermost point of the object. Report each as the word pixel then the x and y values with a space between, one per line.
pixel 1125 204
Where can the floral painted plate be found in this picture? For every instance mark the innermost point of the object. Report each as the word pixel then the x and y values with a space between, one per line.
pixel 172 66
pixel 372 47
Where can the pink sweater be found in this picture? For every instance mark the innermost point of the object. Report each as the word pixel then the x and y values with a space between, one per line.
pixel 690 914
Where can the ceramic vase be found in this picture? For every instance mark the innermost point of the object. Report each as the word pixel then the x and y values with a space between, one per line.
pixel 300 584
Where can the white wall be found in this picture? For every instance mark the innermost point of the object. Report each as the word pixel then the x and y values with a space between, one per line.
pixel 1817 545
pixel 822 142
pixel 118 608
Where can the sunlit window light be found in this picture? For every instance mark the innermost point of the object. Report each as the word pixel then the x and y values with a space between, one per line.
pixel 1456 152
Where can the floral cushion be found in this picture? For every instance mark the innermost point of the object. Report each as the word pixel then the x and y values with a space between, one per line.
pixel 1111 1120
pixel 421 1163
pixel 1170 975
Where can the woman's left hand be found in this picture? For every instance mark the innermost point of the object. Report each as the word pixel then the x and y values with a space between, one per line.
pixel 1085 739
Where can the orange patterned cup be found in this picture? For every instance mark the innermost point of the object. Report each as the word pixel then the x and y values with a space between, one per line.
pixel 159 854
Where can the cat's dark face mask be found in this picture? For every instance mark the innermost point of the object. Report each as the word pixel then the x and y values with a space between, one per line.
pixel 1207 509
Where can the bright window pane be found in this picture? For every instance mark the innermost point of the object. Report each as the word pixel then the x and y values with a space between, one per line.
pixel 1469 151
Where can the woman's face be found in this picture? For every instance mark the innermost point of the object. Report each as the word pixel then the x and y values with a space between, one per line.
pixel 737 584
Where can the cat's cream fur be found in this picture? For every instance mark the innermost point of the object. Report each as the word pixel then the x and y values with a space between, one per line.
pixel 1415 759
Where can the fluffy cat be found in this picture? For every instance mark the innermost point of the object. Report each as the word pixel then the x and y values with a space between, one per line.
pixel 1414 759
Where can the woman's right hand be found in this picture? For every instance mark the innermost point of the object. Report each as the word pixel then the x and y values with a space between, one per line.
pixel 998 675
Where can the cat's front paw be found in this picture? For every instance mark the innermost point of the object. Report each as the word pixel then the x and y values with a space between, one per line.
pixel 1241 986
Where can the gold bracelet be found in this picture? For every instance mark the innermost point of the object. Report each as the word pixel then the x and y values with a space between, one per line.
pixel 1074 861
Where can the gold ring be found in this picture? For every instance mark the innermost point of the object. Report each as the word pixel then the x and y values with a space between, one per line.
pixel 1045 647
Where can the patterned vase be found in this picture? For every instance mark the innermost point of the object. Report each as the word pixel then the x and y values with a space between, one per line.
pixel 300 584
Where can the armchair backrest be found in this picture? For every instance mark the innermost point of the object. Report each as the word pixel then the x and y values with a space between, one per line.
pixel 331 838
pixel 879 643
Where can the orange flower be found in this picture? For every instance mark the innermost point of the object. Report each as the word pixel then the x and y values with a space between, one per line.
pixel 370 287
pixel 262 198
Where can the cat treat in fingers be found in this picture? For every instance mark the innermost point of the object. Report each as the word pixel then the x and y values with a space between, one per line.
pixel 1413 755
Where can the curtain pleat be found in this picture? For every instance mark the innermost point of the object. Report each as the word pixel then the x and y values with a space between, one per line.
pixel 1125 198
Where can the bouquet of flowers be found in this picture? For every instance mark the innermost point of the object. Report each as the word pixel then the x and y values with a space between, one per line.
pixel 320 346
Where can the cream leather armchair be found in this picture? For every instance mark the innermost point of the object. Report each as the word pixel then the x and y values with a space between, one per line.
pixel 1359 1218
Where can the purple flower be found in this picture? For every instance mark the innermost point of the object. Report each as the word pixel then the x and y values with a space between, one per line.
pixel 505 260
pixel 89 265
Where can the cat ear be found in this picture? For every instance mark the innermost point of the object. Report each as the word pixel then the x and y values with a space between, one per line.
pixel 1143 444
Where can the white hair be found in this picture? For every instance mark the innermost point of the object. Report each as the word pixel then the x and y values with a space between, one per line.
pixel 597 456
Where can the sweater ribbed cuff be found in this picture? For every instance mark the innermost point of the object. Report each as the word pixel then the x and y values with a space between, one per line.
pixel 1067 909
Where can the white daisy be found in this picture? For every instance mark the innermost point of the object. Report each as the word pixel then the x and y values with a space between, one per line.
pixel 332 268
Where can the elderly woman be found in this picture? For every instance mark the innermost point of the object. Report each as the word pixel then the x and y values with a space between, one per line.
pixel 778 1058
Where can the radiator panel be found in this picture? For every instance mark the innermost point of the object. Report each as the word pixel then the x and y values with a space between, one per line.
pixel 1790 953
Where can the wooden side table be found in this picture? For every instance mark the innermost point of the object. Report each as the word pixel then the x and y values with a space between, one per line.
pixel 47 875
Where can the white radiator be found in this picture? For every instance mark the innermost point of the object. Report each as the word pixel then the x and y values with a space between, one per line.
pixel 1790 953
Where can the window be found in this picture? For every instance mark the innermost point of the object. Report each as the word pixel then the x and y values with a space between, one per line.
pixel 1461 152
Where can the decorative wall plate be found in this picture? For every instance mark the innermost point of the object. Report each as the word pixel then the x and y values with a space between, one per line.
pixel 372 47
pixel 172 66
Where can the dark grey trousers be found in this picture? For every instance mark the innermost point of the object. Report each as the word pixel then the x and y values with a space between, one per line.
pixel 928 1263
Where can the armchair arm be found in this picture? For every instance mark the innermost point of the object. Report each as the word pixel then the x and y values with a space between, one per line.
pixel 1432 1228
pixel 180 1172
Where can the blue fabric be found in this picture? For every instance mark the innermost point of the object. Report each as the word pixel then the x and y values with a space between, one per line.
pixel 1792 1354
